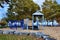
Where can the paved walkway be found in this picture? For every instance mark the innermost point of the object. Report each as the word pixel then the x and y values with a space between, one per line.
pixel 52 31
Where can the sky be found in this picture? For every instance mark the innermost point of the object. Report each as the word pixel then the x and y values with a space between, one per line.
pixel 3 11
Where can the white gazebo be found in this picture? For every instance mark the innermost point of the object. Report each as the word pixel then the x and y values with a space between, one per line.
pixel 37 18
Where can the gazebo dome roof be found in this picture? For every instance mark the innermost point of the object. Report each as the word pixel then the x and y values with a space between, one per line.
pixel 38 13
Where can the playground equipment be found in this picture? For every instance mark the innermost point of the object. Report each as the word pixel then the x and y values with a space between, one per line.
pixel 26 23
pixel 16 24
pixel 37 19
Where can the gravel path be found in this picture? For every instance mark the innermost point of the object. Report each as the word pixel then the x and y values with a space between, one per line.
pixel 52 31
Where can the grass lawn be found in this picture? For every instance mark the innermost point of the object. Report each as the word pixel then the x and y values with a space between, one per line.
pixel 17 37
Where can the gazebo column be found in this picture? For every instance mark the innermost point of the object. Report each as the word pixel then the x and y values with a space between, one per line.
pixel 42 22
pixel 32 22
pixel 43 18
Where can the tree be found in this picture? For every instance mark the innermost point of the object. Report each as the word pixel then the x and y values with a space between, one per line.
pixel 3 24
pixel 24 8
pixel 57 14
pixel 50 9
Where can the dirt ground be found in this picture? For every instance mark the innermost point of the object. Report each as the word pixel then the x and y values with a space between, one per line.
pixel 52 31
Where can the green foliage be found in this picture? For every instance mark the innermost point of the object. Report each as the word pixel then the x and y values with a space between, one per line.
pixel 16 37
pixel 24 8
pixel 51 9
pixel 3 24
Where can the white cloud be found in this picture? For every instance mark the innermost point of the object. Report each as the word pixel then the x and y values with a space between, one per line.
pixel 39 2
